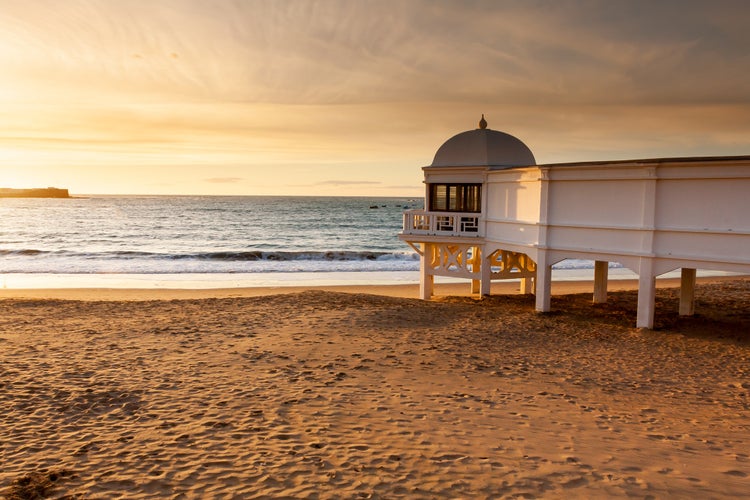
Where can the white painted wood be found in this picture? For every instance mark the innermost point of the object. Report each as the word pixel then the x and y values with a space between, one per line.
pixel 486 271
pixel 543 283
pixel 646 295
pixel 426 279
pixel 649 215
pixel 422 222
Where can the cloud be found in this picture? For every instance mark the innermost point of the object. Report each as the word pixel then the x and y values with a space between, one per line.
pixel 334 52
pixel 341 52
pixel 224 180
pixel 346 183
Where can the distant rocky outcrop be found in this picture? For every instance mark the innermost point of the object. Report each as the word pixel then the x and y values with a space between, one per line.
pixel 49 192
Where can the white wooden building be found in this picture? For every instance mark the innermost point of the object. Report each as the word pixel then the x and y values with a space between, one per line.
pixel 492 213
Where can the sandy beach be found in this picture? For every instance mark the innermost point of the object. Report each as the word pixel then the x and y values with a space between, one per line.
pixel 366 392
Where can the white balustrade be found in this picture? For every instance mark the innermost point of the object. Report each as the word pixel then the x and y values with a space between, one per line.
pixel 441 223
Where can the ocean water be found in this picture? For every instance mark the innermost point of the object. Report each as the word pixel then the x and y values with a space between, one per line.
pixel 203 235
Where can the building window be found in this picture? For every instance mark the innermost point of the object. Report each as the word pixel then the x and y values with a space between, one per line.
pixel 455 198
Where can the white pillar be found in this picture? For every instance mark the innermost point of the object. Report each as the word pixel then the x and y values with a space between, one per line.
pixel 646 294
pixel 543 283
pixel 601 275
pixel 646 276
pixel 426 280
pixel 486 270
pixel 543 279
pixel 687 292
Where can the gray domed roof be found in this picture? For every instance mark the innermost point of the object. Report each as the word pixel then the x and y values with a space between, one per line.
pixel 483 148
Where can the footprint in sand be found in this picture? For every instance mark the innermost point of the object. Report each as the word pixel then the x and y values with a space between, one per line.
pixel 575 483
pixel 735 473
pixel 448 457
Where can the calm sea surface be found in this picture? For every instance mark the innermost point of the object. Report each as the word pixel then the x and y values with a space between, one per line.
pixel 203 234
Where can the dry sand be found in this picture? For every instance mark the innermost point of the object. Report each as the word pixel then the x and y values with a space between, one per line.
pixel 321 394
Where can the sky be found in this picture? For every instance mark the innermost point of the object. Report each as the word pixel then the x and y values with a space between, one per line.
pixel 353 97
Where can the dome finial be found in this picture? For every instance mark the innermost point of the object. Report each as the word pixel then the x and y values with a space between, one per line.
pixel 483 123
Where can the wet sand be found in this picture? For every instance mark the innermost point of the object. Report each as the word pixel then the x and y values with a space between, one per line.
pixel 326 394
pixel 401 290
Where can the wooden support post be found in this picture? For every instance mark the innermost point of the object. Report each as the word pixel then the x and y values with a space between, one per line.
pixel 601 275
pixel 527 285
pixel 687 292
pixel 426 280
pixel 486 270
pixel 543 283
pixel 475 287
pixel 646 295
pixel 426 284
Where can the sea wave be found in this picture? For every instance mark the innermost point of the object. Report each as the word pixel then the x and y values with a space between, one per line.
pixel 226 255
pixel 332 255
pixel 242 256
pixel 27 252
pixel 128 261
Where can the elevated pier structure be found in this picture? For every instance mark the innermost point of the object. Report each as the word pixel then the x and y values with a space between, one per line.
pixel 492 213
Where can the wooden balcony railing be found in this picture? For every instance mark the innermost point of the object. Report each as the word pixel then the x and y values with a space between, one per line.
pixel 441 223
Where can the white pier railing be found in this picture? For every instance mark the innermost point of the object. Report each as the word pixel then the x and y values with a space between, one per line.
pixel 441 223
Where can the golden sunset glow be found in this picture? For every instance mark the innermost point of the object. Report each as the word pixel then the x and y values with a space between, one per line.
pixel 351 98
